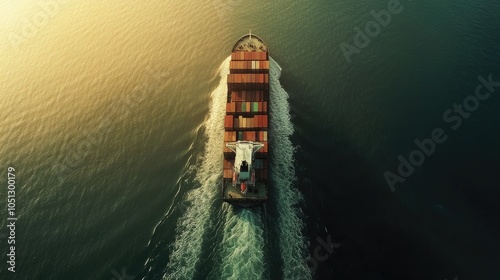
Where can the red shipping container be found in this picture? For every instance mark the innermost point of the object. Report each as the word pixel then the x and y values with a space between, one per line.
pixel 228 122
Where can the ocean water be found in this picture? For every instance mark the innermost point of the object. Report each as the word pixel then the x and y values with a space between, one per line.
pixel 111 114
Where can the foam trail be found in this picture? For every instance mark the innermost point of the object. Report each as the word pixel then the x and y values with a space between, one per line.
pixel 196 220
pixel 293 245
pixel 243 245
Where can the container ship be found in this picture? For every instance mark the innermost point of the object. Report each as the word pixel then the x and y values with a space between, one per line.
pixel 246 123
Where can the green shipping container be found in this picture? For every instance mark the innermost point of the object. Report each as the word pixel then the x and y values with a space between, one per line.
pixel 255 107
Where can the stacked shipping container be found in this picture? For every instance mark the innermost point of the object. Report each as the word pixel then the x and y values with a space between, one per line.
pixel 247 108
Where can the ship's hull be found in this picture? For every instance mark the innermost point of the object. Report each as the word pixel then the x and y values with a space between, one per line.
pixel 247 119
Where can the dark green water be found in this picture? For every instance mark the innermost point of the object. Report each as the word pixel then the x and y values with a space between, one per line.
pixel 110 115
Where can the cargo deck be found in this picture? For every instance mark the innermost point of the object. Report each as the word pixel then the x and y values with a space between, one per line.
pixel 247 122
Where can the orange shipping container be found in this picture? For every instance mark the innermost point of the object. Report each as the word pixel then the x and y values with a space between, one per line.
pixel 226 149
pixel 228 122
pixel 230 136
